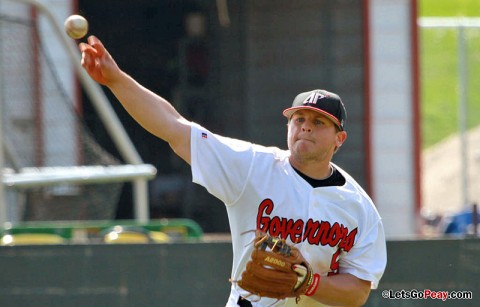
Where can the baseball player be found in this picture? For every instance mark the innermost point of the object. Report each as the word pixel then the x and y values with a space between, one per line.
pixel 297 196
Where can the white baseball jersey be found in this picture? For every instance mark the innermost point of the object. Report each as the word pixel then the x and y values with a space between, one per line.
pixel 337 228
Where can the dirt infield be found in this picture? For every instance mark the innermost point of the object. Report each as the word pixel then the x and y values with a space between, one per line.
pixel 442 175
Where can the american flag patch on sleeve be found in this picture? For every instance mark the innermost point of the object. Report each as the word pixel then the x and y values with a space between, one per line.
pixel 204 135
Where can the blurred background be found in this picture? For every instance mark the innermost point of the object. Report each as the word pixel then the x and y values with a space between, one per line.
pixel 409 88
pixel 76 166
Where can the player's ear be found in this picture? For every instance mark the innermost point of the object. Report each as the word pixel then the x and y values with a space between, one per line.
pixel 341 136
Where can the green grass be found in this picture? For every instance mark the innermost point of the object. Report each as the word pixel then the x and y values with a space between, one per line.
pixel 449 8
pixel 439 71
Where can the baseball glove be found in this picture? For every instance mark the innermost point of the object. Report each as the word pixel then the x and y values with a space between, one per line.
pixel 277 270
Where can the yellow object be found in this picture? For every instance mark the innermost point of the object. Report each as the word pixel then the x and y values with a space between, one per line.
pixel 122 235
pixel 31 239
pixel 126 237
pixel 159 237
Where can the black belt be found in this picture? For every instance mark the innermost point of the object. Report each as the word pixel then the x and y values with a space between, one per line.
pixel 242 302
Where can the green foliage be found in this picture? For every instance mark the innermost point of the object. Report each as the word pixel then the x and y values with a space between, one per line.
pixel 439 75
pixel 469 8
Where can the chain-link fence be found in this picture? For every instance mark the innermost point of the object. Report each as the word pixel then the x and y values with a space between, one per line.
pixel 450 85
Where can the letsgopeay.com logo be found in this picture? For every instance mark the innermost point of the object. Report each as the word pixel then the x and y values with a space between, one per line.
pixel 415 294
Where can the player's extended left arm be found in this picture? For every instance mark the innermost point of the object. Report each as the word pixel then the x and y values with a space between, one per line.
pixel 343 290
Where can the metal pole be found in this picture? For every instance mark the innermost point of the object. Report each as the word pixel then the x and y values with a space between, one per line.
pixel 475 219
pixel 3 198
pixel 140 196
pixel 462 111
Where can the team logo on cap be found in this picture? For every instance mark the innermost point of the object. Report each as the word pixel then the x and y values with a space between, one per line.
pixel 313 98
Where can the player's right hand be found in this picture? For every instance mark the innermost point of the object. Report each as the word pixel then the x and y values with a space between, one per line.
pixel 98 63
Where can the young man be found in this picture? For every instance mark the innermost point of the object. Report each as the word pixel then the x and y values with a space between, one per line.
pixel 299 194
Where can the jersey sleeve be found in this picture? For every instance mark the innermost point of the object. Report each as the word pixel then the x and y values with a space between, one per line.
pixel 220 164
pixel 368 258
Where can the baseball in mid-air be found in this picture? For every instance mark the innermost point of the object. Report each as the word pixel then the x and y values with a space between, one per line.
pixel 76 26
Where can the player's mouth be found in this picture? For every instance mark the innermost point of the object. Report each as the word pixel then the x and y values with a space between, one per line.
pixel 306 140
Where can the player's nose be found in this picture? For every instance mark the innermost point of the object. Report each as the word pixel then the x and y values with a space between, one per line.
pixel 306 127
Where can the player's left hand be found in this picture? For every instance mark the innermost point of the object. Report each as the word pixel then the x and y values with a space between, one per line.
pixel 277 270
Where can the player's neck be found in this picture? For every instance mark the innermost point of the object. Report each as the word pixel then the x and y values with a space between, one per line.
pixel 317 170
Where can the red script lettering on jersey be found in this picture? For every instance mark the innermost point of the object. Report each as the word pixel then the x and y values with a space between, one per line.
pixel 314 232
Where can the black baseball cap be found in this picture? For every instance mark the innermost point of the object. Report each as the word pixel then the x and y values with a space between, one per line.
pixel 322 101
